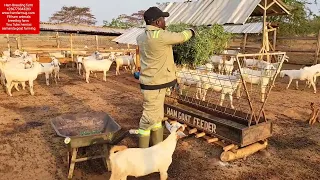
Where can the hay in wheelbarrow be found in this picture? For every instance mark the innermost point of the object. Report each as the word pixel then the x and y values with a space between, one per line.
pixel 84 124
pixel 87 129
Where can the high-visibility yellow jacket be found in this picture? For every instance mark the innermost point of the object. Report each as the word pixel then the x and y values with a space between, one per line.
pixel 158 69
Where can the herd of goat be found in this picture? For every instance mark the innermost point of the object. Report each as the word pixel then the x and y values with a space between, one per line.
pixel 18 67
pixel 226 79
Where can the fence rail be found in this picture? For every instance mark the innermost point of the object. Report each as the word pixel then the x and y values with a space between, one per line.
pixel 301 50
pixel 44 43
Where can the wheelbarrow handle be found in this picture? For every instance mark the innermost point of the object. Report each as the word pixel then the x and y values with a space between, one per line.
pixel 120 138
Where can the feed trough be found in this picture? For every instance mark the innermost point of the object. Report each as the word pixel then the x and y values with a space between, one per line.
pixel 240 126
pixel 87 129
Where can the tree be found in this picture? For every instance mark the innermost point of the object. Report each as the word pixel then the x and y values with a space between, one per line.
pixel 73 15
pixel 124 21
pixel 117 23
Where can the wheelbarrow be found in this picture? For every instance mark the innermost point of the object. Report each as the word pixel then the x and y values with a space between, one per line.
pixel 87 129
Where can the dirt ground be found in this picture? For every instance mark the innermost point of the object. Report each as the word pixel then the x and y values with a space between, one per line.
pixel 30 148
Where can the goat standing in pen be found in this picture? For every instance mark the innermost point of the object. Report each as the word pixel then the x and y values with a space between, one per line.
pixel 259 77
pixel 126 60
pixel 224 84
pixel 300 74
pixel 153 159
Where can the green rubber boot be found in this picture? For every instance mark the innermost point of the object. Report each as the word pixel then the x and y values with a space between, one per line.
pixel 156 136
pixel 144 141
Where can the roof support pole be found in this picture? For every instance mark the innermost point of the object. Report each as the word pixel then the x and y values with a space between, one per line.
pixel 317 50
pixel 274 39
pixel 245 36
pixel 265 38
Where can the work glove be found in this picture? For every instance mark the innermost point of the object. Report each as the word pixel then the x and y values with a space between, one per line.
pixel 193 31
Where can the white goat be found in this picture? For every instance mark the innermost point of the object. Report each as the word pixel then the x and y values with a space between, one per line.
pixel 21 75
pixel 34 57
pixel 49 68
pixel 4 59
pixel 228 65
pixel 125 61
pixel 217 60
pixel 56 68
pixel 263 64
pixel 315 69
pixel 94 56
pixel 7 53
pixel 189 77
pixel 156 158
pixel 259 77
pixel 101 65
pixel 17 53
pixel 299 74
pixel 226 84
pixel 235 52
pixel 207 66
pixel 18 63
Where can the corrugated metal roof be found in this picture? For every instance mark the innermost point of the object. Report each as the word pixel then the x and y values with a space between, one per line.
pixel 208 12
pixel 250 28
pixel 80 28
pixel 129 37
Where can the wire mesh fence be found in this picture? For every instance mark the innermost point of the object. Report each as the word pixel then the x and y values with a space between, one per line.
pixel 235 85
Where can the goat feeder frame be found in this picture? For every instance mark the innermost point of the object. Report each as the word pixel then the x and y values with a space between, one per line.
pixel 230 125
pixel 106 135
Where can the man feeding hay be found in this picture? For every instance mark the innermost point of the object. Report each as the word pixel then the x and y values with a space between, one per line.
pixel 157 72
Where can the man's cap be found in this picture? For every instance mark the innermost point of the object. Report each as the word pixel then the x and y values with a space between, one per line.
pixel 154 13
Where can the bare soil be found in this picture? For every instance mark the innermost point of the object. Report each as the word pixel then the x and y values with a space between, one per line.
pixel 31 149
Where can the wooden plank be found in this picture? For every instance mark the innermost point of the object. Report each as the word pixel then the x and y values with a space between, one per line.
pixel 274 38
pixel 298 38
pixel 71 46
pixel 97 42
pixel 57 40
pixel 263 129
pixel 48 60
pixel 270 5
pixel 221 128
pixel 317 49
pixel 199 135
pixel 212 140
pixel 226 129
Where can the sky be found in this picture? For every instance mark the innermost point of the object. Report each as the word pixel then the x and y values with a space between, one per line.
pixel 108 9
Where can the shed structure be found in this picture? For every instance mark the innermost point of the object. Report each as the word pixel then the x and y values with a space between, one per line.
pixel 209 12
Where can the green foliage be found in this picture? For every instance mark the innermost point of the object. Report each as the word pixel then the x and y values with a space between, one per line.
pixel 207 41
pixel 124 21
pixel 117 23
